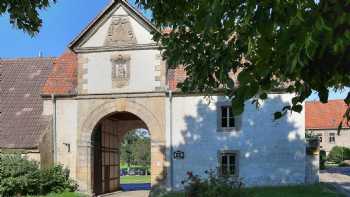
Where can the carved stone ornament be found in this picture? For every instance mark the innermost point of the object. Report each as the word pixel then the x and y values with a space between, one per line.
pixel 120 32
pixel 120 70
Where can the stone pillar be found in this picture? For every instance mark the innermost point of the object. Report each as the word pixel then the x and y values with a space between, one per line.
pixel 312 169
pixel 312 161
pixel 84 171
pixel 158 171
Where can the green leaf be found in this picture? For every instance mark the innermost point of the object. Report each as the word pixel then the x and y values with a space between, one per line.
pixel 340 127
pixel 263 96
pixel 278 115
pixel 237 106
pixel 347 99
pixel 287 107
pixel 297 108
pixel 323 95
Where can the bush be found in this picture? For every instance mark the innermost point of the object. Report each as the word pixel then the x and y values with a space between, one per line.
pixel 56 179
pixel 339 154
pixel 19 176
pixel 323 159
pixel 213 186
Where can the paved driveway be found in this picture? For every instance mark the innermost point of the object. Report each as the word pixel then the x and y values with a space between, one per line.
pixel 338 177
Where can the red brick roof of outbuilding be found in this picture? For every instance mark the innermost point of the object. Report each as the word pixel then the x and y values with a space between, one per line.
pixel 21 105
pixel 63 78
pixel 325 116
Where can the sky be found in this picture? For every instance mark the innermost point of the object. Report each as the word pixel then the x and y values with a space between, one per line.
pixel 62 22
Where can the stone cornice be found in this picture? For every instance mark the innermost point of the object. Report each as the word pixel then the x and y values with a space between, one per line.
pixel 120 48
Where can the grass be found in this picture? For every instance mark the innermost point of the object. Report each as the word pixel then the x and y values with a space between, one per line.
pixel 135 179
pixel 320 190
pixel 64 194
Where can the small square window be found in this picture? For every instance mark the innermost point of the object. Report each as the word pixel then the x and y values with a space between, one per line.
pixel 228 164
pixel 227 117
pixel 332 138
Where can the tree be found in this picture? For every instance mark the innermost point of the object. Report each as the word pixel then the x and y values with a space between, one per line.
pixel 24 14
pixel 299 46
pixel 127 149
pixel 143 152
pixel 136 149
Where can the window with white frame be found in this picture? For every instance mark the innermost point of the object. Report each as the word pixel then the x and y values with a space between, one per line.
pixel 227 118
pixel 228 161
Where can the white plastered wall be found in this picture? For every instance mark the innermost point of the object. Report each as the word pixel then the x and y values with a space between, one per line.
pixel 271 152
pixel 66 129
pixel 142 72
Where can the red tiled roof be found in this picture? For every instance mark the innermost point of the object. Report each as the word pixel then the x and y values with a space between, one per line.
pixel 21 105
pixel 63 78
pixel 325 116
pixel 167 30
pixel 176 76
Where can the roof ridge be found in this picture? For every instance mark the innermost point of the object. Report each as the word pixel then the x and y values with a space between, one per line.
pixel 333 100
pixel 77 39
pixel 27 58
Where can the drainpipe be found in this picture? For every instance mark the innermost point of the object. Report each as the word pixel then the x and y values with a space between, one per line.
pixel 171 139
pixel 54 128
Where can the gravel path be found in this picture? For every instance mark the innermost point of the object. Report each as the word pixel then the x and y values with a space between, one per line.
pixel 338 177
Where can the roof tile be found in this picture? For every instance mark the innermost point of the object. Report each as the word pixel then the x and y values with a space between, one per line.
pixel 21 106
pixel 63 78
pixel 325 116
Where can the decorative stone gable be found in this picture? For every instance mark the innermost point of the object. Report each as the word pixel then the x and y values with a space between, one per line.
pixel 120 70
pixel 120 32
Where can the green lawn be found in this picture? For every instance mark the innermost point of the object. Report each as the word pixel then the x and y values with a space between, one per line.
pixel 65 194
pixel 135 179
pixel 291 191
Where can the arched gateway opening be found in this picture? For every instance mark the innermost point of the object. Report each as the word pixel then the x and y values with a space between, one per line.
pixel 143 113
pixel 106 141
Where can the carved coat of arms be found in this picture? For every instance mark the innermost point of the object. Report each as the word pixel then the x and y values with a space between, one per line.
pixel 120 70
pixel 120 32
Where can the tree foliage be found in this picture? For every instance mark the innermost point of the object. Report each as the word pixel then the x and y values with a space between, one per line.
pixel 24 14
pixel 299 46
pixel 136 149
pixel 339 154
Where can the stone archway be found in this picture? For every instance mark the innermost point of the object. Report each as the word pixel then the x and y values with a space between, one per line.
pixel 151 116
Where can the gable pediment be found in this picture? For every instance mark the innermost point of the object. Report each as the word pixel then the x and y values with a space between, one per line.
pixel 118 26
pixel 120 32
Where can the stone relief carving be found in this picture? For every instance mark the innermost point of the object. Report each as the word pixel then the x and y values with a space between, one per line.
pixel 120 32
pixel 120 70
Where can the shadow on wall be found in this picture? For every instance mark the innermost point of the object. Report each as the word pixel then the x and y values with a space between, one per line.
pixel 270 152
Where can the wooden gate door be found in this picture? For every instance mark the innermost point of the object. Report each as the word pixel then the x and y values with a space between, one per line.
pixel 106 159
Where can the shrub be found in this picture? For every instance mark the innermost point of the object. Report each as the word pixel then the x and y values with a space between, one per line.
pixel 56 179
pixel 19 176
pixel 339 154
pixel 213 186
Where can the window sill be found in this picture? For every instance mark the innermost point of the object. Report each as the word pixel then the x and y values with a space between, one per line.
pixel 236 176
pixel 227 130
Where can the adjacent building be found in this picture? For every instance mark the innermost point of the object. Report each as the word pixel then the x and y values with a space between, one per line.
pixel 323 121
